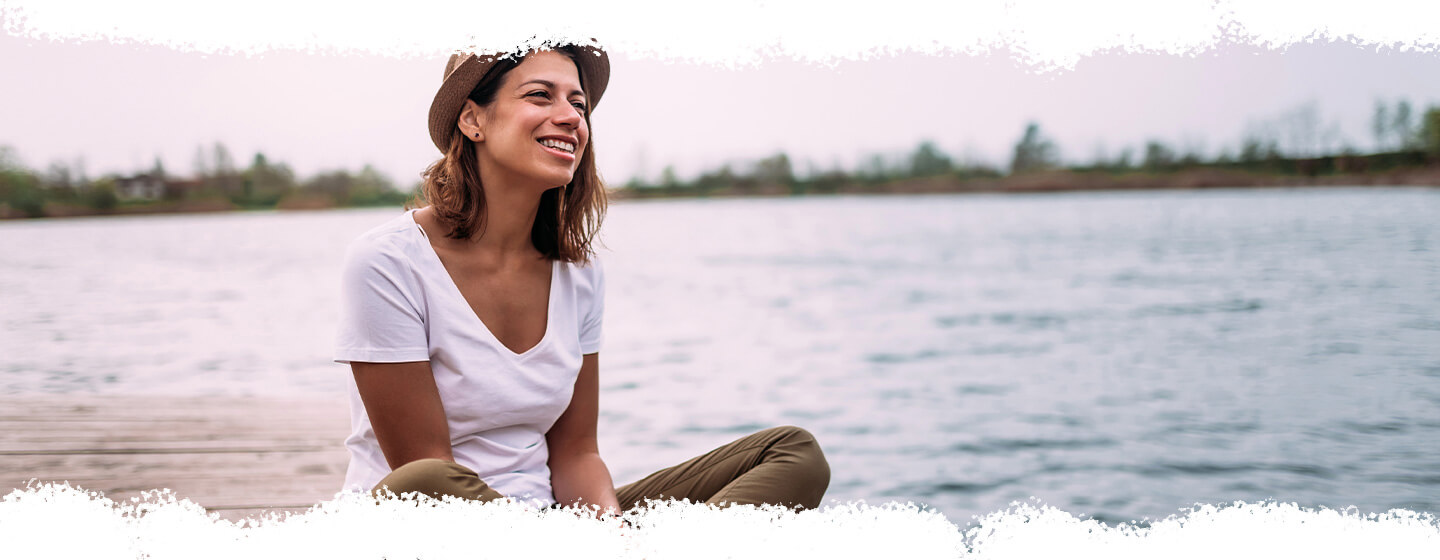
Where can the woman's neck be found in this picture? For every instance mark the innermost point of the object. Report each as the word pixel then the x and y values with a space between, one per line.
pixel 509 219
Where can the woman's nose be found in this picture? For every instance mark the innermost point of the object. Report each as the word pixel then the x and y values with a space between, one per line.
pixel 569 116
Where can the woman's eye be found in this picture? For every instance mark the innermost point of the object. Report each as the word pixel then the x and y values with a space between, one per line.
pixel 540 93
pixel 579 106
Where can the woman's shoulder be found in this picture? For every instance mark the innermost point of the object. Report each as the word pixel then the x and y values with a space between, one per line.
pixel 585 280
pixel 591 271
pixel 395 241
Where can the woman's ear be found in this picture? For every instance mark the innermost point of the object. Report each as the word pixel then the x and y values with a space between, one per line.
pixel 472 121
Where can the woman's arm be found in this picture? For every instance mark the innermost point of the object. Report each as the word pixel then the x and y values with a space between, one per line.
pixel 576 471
pixel 405 411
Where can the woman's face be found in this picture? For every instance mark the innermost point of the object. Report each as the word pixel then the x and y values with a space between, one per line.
pixel 535 130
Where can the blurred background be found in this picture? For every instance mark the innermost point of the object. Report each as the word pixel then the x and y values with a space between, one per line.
pixel 1123 288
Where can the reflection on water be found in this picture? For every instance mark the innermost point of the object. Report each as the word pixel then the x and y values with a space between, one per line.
pixel 1116 354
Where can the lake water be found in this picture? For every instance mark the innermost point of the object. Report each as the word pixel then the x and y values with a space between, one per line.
pixel 1122 355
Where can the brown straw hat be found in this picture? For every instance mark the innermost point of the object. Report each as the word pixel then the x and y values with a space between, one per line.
pixel 463 72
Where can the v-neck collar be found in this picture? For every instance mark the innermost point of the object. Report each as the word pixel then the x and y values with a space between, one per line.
pixel 455 292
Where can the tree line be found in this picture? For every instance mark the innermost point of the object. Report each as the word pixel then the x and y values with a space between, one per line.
pixel 776 175
pixel 64 188
pixel 1296 142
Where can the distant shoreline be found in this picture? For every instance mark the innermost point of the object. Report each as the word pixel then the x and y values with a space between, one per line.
pixel 1073 181
pixel 1038 182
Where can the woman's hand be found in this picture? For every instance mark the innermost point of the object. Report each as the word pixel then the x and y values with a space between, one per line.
pixel 405 411
pixel 577 474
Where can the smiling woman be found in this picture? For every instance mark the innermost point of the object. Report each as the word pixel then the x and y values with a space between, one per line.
pixel 471 96
pixel 473 325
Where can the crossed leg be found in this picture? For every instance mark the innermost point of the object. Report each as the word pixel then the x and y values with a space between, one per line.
pixel 782 466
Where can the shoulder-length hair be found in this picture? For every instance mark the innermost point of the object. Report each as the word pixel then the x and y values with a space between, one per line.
pixel 568 217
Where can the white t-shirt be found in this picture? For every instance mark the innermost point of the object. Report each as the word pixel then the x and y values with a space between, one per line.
pixel 399 304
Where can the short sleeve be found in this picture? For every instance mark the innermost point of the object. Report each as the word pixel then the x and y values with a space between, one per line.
pixel 591 333
pixel 380 307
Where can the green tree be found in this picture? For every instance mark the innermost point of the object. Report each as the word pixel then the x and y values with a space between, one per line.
pixel 224 164
pixel 59 176
pixel 712 180
pixel 200 164
pixel 874 171
pixel 636 184
pixel 265 183
pixel 23 193
pixel 830 181
pixel 334 184
pixel 1192 154
pixel 1380 125
pixel 668 180
pixel 224 177
pixel 1158 156
pixel 19 188
pixel 1256 148
pixel 775 170
pixel 102 196
pixel 158 170
pixel 1403 128
pixel 1126 159
pixel 372 188
pixel 1430 131
pixel 929 161
pixel 1033 152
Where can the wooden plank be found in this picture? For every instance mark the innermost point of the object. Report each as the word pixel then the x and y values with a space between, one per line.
pixel 221 491
pixel 71 446
pixel 178 465
pixel 238 457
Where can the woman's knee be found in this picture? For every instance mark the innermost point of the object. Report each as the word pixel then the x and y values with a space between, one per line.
pixel 806 455
pixel 432 477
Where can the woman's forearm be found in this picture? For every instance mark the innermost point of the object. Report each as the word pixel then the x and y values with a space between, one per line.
pixel 583 478
pixel 576 472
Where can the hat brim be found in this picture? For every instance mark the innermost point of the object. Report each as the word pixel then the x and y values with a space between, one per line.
pixel 593 63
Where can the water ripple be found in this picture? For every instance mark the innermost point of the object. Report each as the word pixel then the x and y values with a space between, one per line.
pixel 1213 428
pixel 746 428
pixel 897 358
pixel 932 489
pixel 1388 427
pixel 1002 446
pixel 1427 479
pixel 1199 308
pixel 1161 470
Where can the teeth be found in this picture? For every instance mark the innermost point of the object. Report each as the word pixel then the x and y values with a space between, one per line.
pixel 559 145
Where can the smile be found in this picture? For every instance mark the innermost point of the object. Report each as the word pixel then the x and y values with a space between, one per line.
pixel 558 145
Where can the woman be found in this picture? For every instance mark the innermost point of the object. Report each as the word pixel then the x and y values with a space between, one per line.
pixel 472 325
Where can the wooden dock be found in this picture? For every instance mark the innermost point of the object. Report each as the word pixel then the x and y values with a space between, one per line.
pixel 237 457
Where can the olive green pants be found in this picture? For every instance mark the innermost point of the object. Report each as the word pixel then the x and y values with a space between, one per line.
pixel 782 466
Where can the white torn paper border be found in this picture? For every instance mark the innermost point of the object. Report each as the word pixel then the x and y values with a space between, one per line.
pixel 59 521
pixel 1046 34
pixel 62 522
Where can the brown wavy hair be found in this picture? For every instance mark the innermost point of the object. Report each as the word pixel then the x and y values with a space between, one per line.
pixel 568 217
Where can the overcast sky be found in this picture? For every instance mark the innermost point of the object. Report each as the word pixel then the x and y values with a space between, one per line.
pixel 120 106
